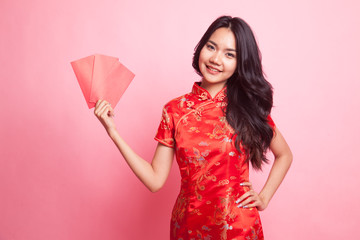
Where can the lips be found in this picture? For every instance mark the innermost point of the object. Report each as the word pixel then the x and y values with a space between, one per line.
pixel 212 69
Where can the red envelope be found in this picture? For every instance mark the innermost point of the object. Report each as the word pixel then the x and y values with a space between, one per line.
pixel 102 77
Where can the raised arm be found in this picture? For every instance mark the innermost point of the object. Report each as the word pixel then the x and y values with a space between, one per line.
pixel 153 175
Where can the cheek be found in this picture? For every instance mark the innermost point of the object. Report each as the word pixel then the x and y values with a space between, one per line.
pixel 202 61
pixel 202 56
pixel 232 67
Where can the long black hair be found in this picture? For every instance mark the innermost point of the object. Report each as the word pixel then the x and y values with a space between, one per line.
pixel 249 94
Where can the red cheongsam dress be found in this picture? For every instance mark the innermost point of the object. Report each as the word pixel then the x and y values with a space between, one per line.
pixel 211 170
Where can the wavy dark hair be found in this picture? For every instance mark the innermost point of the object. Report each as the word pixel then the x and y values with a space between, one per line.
pixel 249 94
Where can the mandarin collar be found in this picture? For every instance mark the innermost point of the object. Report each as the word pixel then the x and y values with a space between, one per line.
pixel 204 95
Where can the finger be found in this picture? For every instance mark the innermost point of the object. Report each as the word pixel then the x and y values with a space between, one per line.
pixel 243 197
pixel 247 201
pixel 252 205
pixel 99 105
pixel 110 111
pixel 104 111
pixel 249 194
pixel 249 184
pixel 102 108
pixel 96 106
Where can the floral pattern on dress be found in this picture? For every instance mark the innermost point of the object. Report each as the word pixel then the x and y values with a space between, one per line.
pixel 211 170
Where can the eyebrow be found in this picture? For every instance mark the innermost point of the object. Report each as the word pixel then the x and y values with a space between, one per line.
pixel 228 49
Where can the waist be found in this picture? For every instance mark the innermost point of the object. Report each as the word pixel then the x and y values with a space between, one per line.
pixel 210 189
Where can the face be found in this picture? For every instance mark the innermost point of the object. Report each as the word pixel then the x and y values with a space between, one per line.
pixel 217 60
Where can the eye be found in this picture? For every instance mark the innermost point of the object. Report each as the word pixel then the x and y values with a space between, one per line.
pixel 210 47
pixel 230 55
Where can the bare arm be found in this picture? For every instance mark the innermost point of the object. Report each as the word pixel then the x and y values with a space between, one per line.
pixel 153 175
pixel 282 162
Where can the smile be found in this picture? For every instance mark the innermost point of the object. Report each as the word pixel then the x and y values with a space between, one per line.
pixel 212 69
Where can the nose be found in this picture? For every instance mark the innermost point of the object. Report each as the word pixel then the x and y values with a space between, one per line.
pixel 215 58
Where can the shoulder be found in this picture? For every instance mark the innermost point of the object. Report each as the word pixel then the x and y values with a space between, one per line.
pixel 178 104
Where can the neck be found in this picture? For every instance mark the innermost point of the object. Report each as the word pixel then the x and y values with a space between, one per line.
pixel 212 88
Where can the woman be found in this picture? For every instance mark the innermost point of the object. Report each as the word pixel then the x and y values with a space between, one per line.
pixel 215 131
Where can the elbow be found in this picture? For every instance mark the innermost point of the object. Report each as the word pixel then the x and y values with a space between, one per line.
pixel 286 157
pixel 155 188
pixel 289 158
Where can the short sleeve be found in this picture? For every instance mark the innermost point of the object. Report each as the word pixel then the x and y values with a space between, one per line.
pixel 165 133
pixel 271 122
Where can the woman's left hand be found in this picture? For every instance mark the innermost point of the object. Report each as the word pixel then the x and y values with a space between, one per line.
pixel 251 199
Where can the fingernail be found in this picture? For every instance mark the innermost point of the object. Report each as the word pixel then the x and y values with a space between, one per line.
pixel 241 184
pixel 237 201
pixel 239 206
pixel 244 206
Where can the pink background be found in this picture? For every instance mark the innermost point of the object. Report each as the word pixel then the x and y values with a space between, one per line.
pixel 62 178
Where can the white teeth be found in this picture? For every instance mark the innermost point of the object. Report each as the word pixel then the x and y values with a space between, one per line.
pixel 212 69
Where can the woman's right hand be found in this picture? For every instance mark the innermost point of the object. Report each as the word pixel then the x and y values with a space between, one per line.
pixel 105 113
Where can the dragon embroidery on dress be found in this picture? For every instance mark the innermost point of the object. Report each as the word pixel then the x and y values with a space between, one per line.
pixel 219 131
pixel 225 212
pixel 255 232
pixel 211 169
pixel 179 211
pixel 204 173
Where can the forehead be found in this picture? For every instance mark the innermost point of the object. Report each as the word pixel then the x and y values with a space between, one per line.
pixel 224 38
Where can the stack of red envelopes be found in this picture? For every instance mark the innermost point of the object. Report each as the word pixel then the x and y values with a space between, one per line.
pixel 102 77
